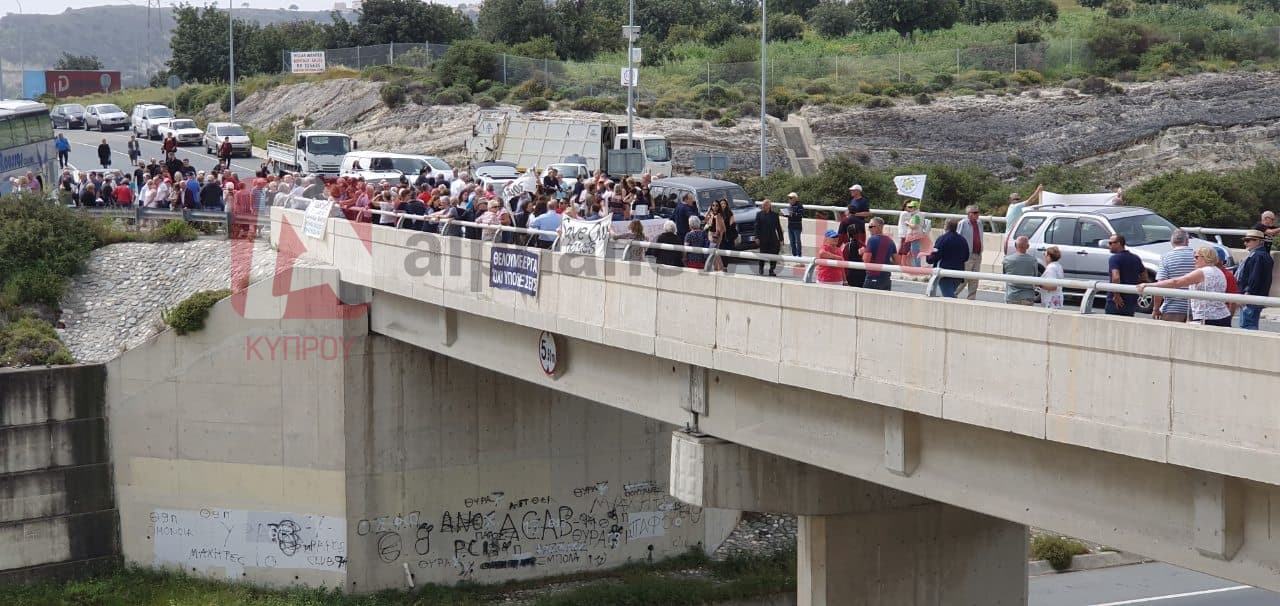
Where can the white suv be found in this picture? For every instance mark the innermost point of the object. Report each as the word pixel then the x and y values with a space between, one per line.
pixel 148 117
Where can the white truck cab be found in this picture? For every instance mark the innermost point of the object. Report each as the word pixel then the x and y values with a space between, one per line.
pixel 319 152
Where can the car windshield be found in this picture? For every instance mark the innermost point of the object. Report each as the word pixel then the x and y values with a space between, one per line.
pixel 109 109
pixel 74 108
pixel 325 145
pixel 657 150
pixel 570 171
pixel 183 124
pixel 159 112
pixel 1140 230
pixel 438 164
pixel 231 131
pixel 737 197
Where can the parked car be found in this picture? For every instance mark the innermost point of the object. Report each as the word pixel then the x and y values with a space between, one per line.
pixel 1082 232
pixel 67 115
pixel 184 130
pixel 215 132
pixel 375 165
pixel 148 118
pixel 667 193
pixel 497 174
pixel 105 116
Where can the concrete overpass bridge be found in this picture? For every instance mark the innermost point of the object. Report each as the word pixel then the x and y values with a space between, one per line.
pixel 916 438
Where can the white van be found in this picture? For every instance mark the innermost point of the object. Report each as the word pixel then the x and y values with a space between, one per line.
pixel 376 165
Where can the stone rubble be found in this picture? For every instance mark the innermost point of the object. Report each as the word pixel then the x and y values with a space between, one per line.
pixel 115 303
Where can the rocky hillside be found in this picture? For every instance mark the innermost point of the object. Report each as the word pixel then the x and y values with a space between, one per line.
pixel 1209 121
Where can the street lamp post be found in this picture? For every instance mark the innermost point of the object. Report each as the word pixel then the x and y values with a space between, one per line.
pixel 231 58
pixel 631 89
pixel 764 58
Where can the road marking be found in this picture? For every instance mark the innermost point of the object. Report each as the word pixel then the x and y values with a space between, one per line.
pixel 123 136
pixel 1175 596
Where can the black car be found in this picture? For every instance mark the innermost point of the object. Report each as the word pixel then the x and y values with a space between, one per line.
pixel 69 115
pixel 667 193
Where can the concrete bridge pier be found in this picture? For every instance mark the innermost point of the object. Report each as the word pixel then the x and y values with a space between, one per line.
pixel 860 543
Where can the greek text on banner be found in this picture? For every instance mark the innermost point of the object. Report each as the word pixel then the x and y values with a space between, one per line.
pixel 514 269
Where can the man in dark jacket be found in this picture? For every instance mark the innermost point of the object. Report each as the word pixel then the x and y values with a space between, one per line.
pixel 950 252
pixel 673 258
pixel 687 208
pixel 769 234
pixel 1253 277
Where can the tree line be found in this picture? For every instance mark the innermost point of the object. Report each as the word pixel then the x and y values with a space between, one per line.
pixel 563 29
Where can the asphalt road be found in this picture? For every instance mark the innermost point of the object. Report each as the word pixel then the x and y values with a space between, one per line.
pixel 907 286
pixel 84 152
pixel 1156 584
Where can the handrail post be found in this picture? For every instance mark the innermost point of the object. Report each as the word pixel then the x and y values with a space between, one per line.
pixel 811 271
pixel 1086 302
pixel 931 288
pixel 711 259
pixel 626 251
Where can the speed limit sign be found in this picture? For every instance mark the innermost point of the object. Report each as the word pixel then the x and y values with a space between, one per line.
pixel 548 354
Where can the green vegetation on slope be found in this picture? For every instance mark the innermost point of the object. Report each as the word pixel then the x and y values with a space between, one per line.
pixel 687 579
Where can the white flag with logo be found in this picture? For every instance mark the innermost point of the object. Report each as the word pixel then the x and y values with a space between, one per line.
pixel 581 237
pixel 910 186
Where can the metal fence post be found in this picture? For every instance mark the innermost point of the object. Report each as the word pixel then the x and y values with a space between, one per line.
pixel 1015 56
pixel 1071 52
pixel 546 73
pixel 392 54
pixel 504 68
pixel 899 67
pixel 358 65
pixel 957 65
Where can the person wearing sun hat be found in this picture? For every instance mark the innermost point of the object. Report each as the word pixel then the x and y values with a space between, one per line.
pixel 911 233
pixel 1253 276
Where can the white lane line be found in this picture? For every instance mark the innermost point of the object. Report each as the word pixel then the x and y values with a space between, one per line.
pixel 1175 596
pixel 123 136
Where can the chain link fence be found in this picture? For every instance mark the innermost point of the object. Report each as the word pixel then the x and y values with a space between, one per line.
pixel 688 89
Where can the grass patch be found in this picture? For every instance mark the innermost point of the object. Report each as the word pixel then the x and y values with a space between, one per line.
pixel 1058 551
pixel 686 579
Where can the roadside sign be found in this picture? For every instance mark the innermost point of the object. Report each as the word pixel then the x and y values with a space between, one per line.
pixel 311 62
pixel 631 32
pixel 174 81
pixel 635 55
pixel 630 76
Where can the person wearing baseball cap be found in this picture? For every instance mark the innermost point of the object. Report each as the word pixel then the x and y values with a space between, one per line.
pixel 795 227
pixel 859 209
pixel 830 248
pixel 1253 276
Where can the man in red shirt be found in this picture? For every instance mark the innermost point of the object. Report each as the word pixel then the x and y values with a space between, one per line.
pixel 124 195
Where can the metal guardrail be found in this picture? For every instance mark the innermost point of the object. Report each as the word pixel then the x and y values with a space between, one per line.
pixel 993 220
pixel 141 213
pixel 1089 288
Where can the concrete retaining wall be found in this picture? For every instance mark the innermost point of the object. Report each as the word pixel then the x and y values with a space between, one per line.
pixel 57 508
pixel 238 459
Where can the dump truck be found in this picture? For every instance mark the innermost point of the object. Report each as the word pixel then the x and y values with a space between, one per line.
pixel 533 143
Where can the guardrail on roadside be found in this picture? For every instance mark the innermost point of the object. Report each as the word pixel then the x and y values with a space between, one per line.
pixel 225 218
pixel 1089 288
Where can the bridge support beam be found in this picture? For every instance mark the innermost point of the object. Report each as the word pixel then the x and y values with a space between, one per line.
pixel 860 543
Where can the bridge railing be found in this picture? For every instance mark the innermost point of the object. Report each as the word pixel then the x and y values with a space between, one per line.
pixel 1089 288
pixel 225 218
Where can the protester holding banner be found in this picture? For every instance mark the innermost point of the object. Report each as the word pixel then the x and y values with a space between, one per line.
pixel 635 233
pixel 1017 206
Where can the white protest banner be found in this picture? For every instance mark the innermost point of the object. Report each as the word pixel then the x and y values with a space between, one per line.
pixel 316 219
pixel 311 62
pixel 652 228
pixel 528 182
pixel 910 186
pixel 584 237
pixel 1049 197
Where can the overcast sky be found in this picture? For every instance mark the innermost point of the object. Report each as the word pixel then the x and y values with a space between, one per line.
pixel 57 6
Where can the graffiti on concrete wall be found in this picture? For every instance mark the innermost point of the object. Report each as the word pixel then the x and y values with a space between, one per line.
pixel 589 527
pixel 231 540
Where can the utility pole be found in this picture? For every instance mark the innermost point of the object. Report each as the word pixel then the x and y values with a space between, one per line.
pixel 764 58
pixel 631 88
pixel 231 58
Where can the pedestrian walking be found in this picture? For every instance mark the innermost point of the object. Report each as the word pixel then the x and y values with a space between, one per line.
pixel 64 150
pixel 951 251
pixel 104 154
pixel 135 149
pixel 769 235
pixel 1254 276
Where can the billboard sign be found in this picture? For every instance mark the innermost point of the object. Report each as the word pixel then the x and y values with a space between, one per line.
pixel 311 62
pixel 75 83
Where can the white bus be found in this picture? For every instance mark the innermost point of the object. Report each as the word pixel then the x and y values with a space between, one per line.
pixel 26 143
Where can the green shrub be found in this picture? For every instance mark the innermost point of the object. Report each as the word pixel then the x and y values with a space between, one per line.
pixel 207 96
pixel 29 341
pixel 721 29
pixel 878 102
pixel 1028 77
pixel 453 96
pixel 1096 86
pixel 485 101
pixel 1166 54
pixel 189 315
pixel 531 88
pixel 1028 10
pixel 603 105
pixel 392 94
pixel 35 284
pixel 41 237
pixel 1197 198
pixel 879 87
pixel 1118 45
pixel 1058 551
pixel 173 231
pixel 536 104
pixel 466 62
pixel 923 99
pixel 710 114
pixel 726 122
pixel 785 27
pixel 833 18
